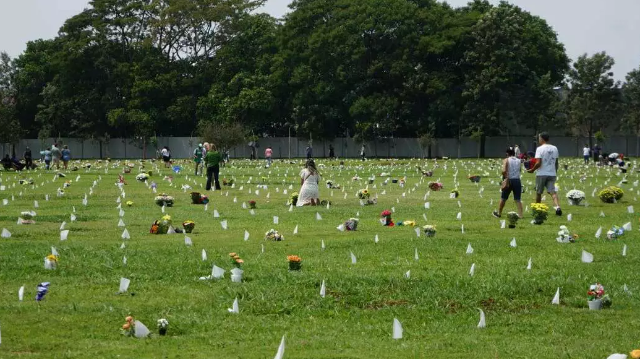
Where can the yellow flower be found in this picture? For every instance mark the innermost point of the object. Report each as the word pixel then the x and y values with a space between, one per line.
pixel 52 258
pixel 166 217
pixel 129 203
pixel 635 354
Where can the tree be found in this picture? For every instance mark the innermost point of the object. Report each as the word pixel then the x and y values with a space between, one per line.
pixel 9 124
pixel 631 98
pixel 222 135
pixel 593 99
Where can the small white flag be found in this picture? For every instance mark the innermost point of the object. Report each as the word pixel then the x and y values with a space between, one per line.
pixel 569 217
pixel 280 352
pixel 407 275
pixel 21 293
pixel 54 251
pixel 125 234
pixel 556 298
pixel 141 330
pixel 204 255
pixel 188 242
pixel 322 244
pixel 627 226
pixel 397 329
pixel 62 226
pixel 276 220
pixel 217 272
pixel 376 239
pixel 64 235
pixel 624 251
pixel 246 235
pixel 513 243
pixel 587 257
pixel 462 229
pixel 529 264
pixel 483 321
pixel 234 307
pixel 323 289
pixel 122 246
pixel 417 232
pixel 224 224
pixel 630 209
pixel 599 232
pixel 318 216
pixel 121 223
pixel 503 224
pixel 415 254
pixel 469 249
pixel 124 284
pixel 295 230
pixel 472 271
pixel 216 214
pixel 73 217
pixel 459 216
pixel 35 204
pixel 353 258
pixel 124 260
pixel 427 205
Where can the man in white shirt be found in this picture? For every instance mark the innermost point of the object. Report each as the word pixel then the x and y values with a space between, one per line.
pixel 547 167
pixel 585 153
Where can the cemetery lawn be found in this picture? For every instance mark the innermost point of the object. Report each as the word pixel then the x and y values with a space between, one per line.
pixel 82 314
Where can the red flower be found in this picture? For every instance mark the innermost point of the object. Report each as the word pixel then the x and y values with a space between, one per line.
pixel 385 213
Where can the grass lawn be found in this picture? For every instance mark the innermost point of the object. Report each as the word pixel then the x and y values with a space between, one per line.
pixel 438 305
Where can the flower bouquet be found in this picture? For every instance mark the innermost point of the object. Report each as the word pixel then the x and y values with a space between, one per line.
pixel 128 328
pixel 371 202
pixel 252 204
pixel 66 184
pixel 407 223
pixel 188 226
pixel 575 197
pixel 435 186
pixel 295 262
pixel 351 224
pixel 597 298
pixel 385 218
pixel 142 177
pixel 363 194
pixel 540 211
pixel 429 230
pixel 565 236
pixel 273 235
pixel 51 262
pixel 164 200
pixel 475 178
pixel 236 260
pixel 615 232
pixel 199 198
pixel 27 217
pixel 293 199
pixel 611 194
pixel 227 182
pixel 455 193
pixel 161 226
pixel 163 324
pixel 513 218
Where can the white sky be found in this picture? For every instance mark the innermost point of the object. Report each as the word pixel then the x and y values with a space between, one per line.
pixel 584 26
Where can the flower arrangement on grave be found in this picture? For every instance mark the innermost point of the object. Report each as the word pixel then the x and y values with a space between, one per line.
pixel 128 328
pixel 142 177
pixel 513 218
pixel 129 203
pixel 293 199
pixel 474 178
pixel 252 204
pixel 597 297
pixel 163 325
pixel 540 211
pixel 615 232
pixel 199 198
pixel 67 184
pixel 188 226
pixel 351 224
pixel 402 182
pixel 407 223
pixel 227 182
pixel 164 200
pixel 332 185
pixel 435 186
pixel 371 202
pixel 455 193
pixel 51 261
pixel 385 218
pixel 273 235
pixel 161 226
pixel 236 260
pixel 429 230
pixel 611 194
pixel 565 236
pixel 295 262
pixel 425 173
pixel 127 170
pixel 355 178
pixel 575 197
pixel 363 194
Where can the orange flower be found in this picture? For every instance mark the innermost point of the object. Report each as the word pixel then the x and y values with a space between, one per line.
pixel 232 255
pixel 635 354
pixel 126 326
pixel 236 257
pixel 129 319
pixel 239 261
pixel 294 259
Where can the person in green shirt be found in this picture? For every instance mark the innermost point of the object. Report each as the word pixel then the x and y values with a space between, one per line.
pixel 197 157
pixel 212 159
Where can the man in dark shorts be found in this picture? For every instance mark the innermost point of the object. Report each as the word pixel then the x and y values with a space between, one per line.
pixel 547 167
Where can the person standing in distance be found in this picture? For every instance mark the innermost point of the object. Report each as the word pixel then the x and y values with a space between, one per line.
pixel 267 154
pixel 28 159
pixel 585 154
pixel 212 160
pixel 197 157
pixel 547 167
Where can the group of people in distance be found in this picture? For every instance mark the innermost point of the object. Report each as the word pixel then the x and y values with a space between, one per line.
pixel 603 159
pixel 544 164
pixel 52 156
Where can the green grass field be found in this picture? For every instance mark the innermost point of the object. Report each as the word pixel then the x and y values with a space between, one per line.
pixel 82 314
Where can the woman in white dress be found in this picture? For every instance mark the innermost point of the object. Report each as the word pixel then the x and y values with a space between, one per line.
pixel 309 180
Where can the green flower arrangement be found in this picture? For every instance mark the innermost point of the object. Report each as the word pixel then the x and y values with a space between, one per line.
pixel 611 194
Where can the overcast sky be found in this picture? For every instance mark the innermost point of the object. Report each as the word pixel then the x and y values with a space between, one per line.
pixel 582 25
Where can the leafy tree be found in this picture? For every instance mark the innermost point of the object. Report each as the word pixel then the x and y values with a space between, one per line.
pixel 9 124
pixel 222 135
pixel 631 97
pixel 593 100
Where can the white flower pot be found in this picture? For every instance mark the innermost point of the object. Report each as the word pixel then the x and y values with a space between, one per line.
pixel 595 304
pixel 236 278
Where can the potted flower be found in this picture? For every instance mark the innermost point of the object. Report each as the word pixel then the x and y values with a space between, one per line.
pixel 408 223
pixel 128 328
pixel 142 177
pixel 295 263
pixel 51 262
pixel 252 204
pixel 163 324
pixel 565 236
pixel 351 224
pixel 188 226
pixel 429 230
pixel 363 194
pixel 611 194
pixel 129 203
pixel 614 232
pixel 164 200
pixel 435 186
pixel 236 260
pixel 227 182
pixel 329 184
pixel 597 298
pixel 293 199
pixel 575 197
pixel 513 218
pixel 385 218
pixel 273 235
pixel 540 212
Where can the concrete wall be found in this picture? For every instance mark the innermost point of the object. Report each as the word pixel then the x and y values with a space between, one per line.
pixel 283 147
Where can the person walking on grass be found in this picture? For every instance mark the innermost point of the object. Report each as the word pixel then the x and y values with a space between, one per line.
pixel 511 168
pixel 362 152
pixel 267 154
pixel 166 156
pixel 47 157
pixel 197 157
pixel 66 156
pixel 56 154
pixel 547 167
pixel 28 158
pixel 585 154
pixel 212 160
